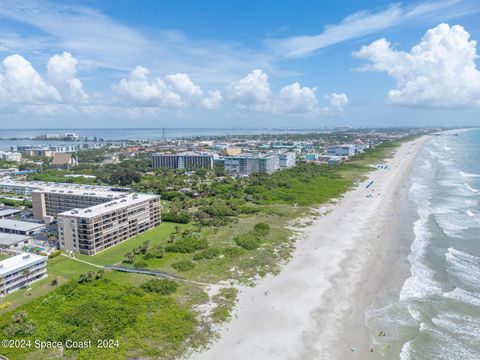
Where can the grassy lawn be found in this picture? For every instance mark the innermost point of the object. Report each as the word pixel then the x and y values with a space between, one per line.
pixel 116 254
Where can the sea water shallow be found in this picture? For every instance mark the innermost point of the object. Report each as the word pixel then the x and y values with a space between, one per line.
pixel 436 314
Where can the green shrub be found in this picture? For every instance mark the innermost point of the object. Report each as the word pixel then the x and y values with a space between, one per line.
pixel 157 252
pixel 179 217
pixel 183 265
pixel 187 245
pixel 233 251
pixel 140 265
pixel 54 254
pixel 247 241
pixel 162 287
pixel 245 209
pixel 208 254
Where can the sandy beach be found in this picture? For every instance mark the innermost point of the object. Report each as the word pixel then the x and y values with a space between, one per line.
pixel 315 308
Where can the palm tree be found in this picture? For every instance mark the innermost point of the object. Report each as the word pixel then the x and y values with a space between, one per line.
pixel 26 273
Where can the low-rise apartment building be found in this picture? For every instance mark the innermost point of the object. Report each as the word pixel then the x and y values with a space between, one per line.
pixel 20 270
pixel 96 228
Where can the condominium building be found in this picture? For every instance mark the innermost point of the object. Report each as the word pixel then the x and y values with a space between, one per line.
pixel 50 201
pixel 251 163
pixel 20 270
pixel 341 150
pixel 96 228
pixel 287 159
pixel 187 160
pixel 12 226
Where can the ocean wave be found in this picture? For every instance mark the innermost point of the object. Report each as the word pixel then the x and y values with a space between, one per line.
pixel 467 297
pixel 439 344
pixel 465 327
pixel 421 283
pixel 468 175
pixel 471 188
pixel 464 267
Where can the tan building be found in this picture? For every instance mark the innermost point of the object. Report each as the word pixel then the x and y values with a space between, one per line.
pixel 64 160
pixel 96 228
pixel 50 201
pixel 232 151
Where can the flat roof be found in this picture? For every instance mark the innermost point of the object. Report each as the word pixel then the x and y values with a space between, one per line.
pixel 48 186
pixel 10 239
pixel 92 211
pixel 8 212
pixel 19 225
pixel 18 262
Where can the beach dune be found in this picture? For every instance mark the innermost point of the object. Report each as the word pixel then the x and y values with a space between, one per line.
pixel 314 309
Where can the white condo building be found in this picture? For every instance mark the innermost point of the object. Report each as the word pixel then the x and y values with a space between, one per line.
pixel 21 270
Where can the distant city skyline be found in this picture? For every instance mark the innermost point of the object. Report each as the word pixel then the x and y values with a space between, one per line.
pixel 238 64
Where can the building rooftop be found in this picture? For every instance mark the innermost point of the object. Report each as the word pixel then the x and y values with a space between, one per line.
pixel 19 225
pixel 11 239
pixel 50 186
pixel 18 262
pixel 92 211
pixel 8 212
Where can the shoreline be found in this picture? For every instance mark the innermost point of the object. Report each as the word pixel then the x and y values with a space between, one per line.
pixel 315 307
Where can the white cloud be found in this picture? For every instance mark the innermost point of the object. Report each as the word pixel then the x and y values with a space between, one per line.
pixel 253 92
pixel 336 104
pixel 178 91
pixel 296 99
pixel 20 83
pixel 212 101
pixel 62 71
pixel 439 72
pixel 366 22
pixel 182 84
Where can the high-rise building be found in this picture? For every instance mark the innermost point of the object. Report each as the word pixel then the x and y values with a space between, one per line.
pixel 251 163
pixel 96 228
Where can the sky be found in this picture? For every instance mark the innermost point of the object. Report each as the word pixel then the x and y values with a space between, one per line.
pixel 238 63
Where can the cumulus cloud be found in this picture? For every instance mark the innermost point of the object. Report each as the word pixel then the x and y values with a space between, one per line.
pixel 213 100
pixel 439 72
pixel 62 71
pixel 178 91
pixel 20 83
pixel 253 92
pixel 336 103
pixel 296 99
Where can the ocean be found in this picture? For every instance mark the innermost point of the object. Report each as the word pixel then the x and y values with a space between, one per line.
pixel 436 315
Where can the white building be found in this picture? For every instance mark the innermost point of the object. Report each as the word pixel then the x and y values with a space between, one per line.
pixel 287 159
pixel 251 163
pixel 10 156
pixel 341 150
pixel 20 270
pixel 98 227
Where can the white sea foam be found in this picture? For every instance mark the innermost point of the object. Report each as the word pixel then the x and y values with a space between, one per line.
pixel 471 188
pixel 465 267
pixel 467 297
pixel 468 175
pixel 463 326
pixel 470 212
